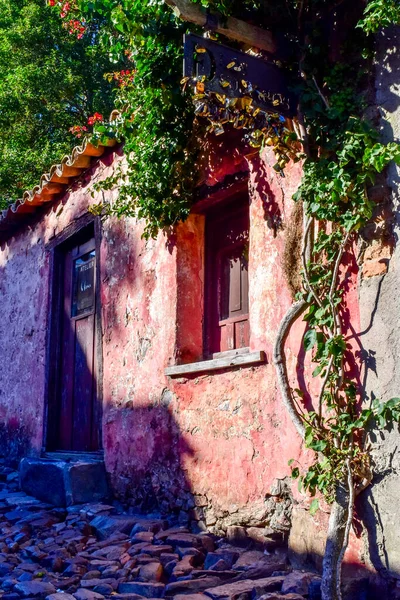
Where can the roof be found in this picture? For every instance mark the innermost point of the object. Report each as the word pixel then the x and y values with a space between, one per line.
pixel 52 185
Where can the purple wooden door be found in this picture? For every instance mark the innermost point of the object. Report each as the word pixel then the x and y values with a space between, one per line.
pixel 79 412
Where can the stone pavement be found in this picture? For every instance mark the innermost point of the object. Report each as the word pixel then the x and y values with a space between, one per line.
pixel 99 552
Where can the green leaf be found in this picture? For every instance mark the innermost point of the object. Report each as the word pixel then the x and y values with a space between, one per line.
pixel 295 473
pixel 317 370
pixel 310 339
pixel 310 313
pixel 314 506
pixel 318 446
pixel 297 195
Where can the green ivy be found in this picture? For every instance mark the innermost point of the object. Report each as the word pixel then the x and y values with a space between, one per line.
pixel 380 14
pixel 343 160
pixel 155 120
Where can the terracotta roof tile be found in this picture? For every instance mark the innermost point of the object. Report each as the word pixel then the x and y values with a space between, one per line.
pixel 51 185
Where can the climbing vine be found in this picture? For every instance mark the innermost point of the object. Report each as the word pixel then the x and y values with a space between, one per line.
pixel 342 157
pixel 152 116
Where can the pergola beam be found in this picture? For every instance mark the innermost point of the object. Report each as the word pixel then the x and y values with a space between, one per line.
pixel 232 28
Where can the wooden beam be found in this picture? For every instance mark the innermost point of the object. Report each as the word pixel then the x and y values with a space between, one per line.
pixel 232 28
pixel 204 366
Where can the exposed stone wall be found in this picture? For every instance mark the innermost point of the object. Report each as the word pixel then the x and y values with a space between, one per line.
pixel 380 331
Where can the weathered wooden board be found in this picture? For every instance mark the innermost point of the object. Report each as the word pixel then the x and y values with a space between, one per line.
pixel 216 364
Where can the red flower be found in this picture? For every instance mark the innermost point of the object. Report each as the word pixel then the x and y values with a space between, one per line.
pixel 97 117
pixel 77 130
pixel 75 26
pixel 52 2
pixel 65 10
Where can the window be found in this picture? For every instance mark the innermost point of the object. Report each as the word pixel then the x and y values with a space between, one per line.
pixel 227 298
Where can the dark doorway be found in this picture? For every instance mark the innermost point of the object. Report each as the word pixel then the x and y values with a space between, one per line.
pixel 74 406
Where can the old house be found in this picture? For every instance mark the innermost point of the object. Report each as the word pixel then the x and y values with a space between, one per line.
pixel 129 355
pixel 149 363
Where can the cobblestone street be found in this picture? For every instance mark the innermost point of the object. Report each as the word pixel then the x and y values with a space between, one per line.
pixel 97 551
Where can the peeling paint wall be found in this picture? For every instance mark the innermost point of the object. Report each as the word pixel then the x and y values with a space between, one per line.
pixel 213 445
pixel 380 326
pixel 23 292
pixel 213 448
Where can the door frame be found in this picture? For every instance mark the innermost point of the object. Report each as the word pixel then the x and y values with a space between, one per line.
pixel 87 225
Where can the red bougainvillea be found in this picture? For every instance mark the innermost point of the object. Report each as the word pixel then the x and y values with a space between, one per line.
pixel 75 27
pixel 123 78
pixel 78 130
pixel 96 118
pixel 70 15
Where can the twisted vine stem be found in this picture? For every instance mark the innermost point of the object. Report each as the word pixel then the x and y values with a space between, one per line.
pixel 342 512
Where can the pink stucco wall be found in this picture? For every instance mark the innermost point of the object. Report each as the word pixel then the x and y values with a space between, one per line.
pixel 223 436
pixel 212 444
pixel 24 269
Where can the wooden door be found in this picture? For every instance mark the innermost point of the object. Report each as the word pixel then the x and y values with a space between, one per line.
pixel 79 411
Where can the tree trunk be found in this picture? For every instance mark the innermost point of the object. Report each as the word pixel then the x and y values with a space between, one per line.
pixel 331 566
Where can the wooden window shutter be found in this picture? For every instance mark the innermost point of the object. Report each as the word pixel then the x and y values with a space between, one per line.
pixel 227 307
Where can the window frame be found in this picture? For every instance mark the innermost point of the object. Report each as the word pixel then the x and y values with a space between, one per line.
pixel 217 197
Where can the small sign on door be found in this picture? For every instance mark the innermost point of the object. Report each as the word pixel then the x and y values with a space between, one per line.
pixel 84 284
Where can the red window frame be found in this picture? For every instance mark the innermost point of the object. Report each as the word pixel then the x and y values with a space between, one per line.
pixel 226 280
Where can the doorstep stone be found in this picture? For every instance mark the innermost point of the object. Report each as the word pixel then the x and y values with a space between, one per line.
pixel 63 483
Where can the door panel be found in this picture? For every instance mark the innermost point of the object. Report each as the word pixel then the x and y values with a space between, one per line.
pixel 79 415
pixel 66 387
pixel 83 384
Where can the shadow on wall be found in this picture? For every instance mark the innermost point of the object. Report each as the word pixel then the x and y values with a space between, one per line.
pixel 272 212
pixel 145 458
pixel 15 440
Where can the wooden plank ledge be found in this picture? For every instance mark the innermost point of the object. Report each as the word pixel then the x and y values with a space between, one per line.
pixel 232 28
pixel 240 360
